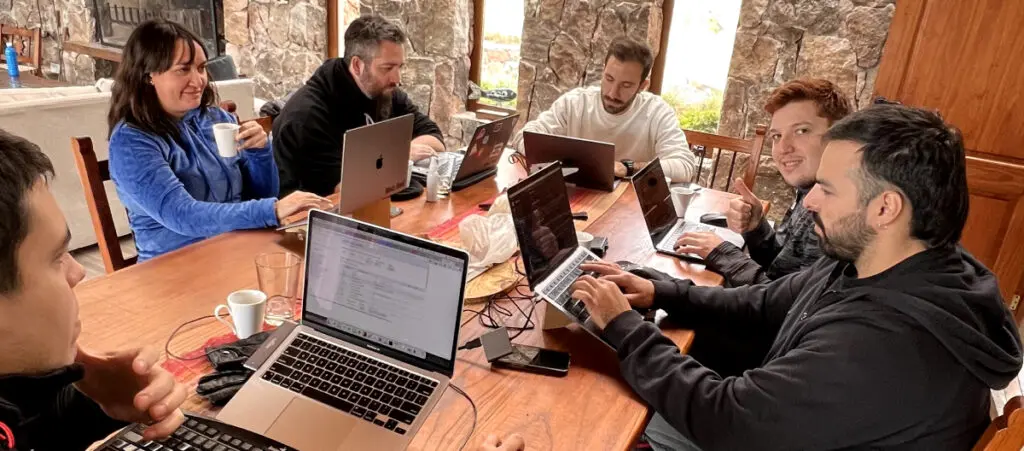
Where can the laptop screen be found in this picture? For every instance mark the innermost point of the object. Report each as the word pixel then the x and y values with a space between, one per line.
pixel 395 294
pixel 655 201
pixel 543 221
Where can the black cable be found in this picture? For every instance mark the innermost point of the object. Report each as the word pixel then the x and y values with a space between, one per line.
pixel 472 404
pixel 167 345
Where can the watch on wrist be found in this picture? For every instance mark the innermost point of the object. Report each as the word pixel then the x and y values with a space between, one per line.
pixel 630 167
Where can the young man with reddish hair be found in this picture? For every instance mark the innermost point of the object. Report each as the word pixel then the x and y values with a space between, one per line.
pixel 802 111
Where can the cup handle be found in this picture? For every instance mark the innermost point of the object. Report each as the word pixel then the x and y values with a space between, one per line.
pixel 216 314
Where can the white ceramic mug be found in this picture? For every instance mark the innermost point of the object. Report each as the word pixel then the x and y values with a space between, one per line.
pixel 681 197
pixel 247 308
pixel 584 239
pixel 224 134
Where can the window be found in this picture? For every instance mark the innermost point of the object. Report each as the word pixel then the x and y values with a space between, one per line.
pixel 696 61
pixel 496 61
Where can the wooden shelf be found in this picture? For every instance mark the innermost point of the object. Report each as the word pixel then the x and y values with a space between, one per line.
pixel 95 50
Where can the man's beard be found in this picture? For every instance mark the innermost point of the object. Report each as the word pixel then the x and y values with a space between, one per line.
pixel 617 108
pixel 850 236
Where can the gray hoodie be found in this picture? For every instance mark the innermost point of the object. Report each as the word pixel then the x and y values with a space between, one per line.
pixel 901 360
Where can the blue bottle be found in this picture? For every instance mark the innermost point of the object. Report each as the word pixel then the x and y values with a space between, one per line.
pixel 12 65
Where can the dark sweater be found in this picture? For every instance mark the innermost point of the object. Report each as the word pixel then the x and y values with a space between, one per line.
pixel 308 133
pixel 791 247
pixel 904 359
pixel 46 412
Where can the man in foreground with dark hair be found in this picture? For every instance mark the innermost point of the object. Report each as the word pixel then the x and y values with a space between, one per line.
pixel 346 93
pixel 620 111
pixel 893 342
pixel 54 395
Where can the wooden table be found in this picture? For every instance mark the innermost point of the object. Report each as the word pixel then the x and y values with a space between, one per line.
pixel 591 408
pixel 30 81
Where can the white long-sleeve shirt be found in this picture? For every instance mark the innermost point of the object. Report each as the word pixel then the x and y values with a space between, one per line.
pixel 648 129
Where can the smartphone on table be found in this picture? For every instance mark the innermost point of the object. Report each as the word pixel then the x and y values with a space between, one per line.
pixel 535 360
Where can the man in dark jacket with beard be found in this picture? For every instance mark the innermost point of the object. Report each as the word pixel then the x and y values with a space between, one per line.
pixel 343 94
pixel 891 342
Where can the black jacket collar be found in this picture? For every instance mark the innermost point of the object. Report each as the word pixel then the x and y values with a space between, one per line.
pixel 26 395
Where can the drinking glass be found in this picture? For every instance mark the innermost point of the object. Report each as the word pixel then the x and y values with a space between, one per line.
pixel 278 274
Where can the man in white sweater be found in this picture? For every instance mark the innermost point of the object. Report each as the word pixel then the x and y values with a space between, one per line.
pixel 640 124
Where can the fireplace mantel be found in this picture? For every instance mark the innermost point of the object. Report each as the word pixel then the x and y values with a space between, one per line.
pixel 95 50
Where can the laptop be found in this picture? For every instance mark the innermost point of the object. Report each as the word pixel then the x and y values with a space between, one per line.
pixel 375 162
pixel 480 159
pixel 547 241
pixel 594 159
pixel 663 225
pixel 375 347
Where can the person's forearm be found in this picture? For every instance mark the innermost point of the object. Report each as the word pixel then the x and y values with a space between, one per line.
pixel 761 244
pixel 262 179
pixel 737 268
pixel 431 141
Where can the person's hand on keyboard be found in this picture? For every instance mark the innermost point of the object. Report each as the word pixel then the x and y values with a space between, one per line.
pixel 602 297
pixel 131 386
pixel 698 243
pixel 513 442
pixel 638 291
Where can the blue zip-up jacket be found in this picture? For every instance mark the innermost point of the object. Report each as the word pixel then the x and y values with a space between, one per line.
pixel 178 193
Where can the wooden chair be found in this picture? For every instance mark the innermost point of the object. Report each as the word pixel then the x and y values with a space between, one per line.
pixel 27 43
pixel 707 145
pixel 93 173
pixel 1006 432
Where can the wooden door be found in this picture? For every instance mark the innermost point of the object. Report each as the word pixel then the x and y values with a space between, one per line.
pixel 966 60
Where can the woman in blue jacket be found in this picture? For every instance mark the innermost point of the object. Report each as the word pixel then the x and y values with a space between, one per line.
pixel 163 157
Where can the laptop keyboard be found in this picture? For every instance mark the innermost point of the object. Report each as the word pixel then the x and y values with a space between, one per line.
pixel 559 291
pixel 354 383
pixel 197 434
pixel 669 243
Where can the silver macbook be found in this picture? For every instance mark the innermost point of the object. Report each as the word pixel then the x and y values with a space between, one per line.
pixel 375 348
pixel 547 241
pixel 374 162
pixel 663 225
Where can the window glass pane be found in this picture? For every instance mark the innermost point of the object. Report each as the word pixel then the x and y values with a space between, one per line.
pixel 503 31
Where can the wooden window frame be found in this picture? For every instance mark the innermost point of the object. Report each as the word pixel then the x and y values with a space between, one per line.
pixel 476 61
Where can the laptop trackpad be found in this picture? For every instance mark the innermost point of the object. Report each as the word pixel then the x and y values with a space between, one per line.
pixel 306 424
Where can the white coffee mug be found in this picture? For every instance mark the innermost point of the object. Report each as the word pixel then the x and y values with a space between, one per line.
pixel 584 238
pixel 224 134
pixel 681 197
pixel 247 308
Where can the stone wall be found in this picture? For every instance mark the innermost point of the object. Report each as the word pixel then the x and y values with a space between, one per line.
pixel 779 40
pixel 437 55
pixel 59 20
pixel 278 44
pixel 565 41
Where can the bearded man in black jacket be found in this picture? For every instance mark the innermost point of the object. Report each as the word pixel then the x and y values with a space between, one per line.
pixel 346 93
pixel 891 341
pixel 54 395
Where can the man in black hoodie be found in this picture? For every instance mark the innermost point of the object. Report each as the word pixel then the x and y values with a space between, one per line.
pixel 54 395
pixel 891 341
pixel 343 94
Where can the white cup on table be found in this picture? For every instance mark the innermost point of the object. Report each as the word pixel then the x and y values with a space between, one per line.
pixel 248 309
pixel 681 198
pixel 225 134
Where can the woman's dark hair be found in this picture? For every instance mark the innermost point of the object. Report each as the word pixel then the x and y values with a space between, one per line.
pixel 133 99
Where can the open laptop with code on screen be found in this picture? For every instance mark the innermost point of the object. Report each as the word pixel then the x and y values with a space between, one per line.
pixel 375 349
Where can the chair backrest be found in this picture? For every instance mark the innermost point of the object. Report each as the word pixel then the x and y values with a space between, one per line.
pixel 266 122
pixel 27 43
pixel 93 173
pixel 1006 432
pixel 708 145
